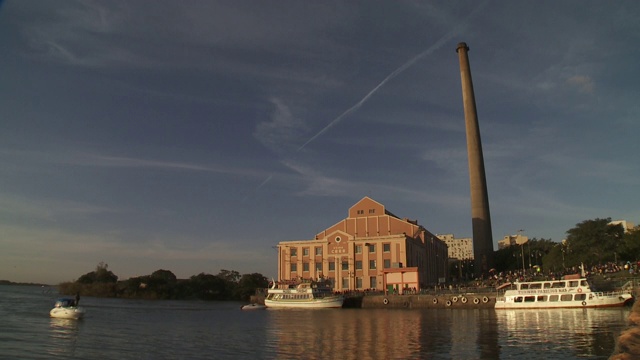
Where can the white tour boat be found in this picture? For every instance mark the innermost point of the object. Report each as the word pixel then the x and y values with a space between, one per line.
pixel 312 294
pixel 570 292
pixel 65 308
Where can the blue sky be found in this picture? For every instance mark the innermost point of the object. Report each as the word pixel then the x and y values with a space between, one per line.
pixel 193 136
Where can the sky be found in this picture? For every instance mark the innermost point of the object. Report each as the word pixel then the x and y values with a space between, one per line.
pixel 193 136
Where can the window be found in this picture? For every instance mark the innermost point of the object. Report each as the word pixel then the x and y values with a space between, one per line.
pixel 305 251
pixel 387 263
pixel 360 212
pixel 294 267
pixel 542 297
pixel 305 266
pixel 318 267
pixel 338 239
pixel 386 247
pixel 358 264
pixel 332 266
pixel 553 297
pixel 345 265
pixel 372 264
pixel 372 211
pixel 318 251
pixel 529 298
pixel 573 283
pixel 536 286
pixel 566 297
pixel 518 299
pixel 358 283
pixel 358 249
pixel 345 283
pixel 372 282
pixel 580 297
pixel 294 252
pixel 372 248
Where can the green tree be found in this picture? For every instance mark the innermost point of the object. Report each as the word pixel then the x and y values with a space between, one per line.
pixel 100 275
pixel 630 248
pixel 248 284
pixel 593 242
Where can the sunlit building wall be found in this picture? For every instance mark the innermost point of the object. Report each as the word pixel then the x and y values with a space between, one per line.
pixel 354 252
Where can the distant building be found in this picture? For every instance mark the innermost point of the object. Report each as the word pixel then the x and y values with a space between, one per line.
pixel 460 249
pixel 626 225
pixel 370 249
pixel 511 240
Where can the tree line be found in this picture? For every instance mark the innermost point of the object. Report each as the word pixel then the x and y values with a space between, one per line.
pixel 163 285
pixel 591 242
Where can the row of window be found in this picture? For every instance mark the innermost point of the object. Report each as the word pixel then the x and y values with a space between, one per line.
pixel 551 298
pixel 344 264
pixel 361 212
pixel 554 285
pixel 359 283
pixel 318 250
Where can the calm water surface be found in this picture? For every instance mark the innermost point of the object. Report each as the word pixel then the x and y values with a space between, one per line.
pixel 135 329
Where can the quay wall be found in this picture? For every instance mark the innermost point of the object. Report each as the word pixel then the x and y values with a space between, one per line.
pixel 441 301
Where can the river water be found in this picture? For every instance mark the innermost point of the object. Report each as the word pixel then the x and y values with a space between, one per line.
pixel 136 329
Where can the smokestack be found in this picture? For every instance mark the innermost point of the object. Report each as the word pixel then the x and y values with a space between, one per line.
pixel 481 219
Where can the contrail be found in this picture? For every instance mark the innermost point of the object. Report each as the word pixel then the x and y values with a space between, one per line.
pixel 396 72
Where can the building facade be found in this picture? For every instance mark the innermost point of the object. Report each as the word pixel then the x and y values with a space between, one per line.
pixel 356 252
pixel 459 248
pixel 512 240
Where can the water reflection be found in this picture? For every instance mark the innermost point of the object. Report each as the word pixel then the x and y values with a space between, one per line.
pixel 63 336
pixel 384 334
pixel 584 332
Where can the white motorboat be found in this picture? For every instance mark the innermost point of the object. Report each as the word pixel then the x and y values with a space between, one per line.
pixel 570 292
pixel 252 306
pixel 65 308
pixel 309 294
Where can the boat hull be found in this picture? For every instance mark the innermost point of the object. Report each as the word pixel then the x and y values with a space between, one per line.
pixel 73 313
pixel 306 304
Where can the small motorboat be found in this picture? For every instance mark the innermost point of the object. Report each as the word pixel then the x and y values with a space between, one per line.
pixel 66 308
pixel 252 306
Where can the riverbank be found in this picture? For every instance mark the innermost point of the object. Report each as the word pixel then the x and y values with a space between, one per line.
pixel 628 343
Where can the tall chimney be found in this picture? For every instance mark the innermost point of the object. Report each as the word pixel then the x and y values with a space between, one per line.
pixel 481 219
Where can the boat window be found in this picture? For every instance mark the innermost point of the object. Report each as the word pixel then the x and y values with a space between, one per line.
pixel 557 284
pixel 547 285
pixel 584 283
pixel 535 286
pixel 573 283
pixel 553 297
pixel 529 298
pixel 566 297
pixel 524 286
pixel 542 297
pixel 518 299
pixel 580 297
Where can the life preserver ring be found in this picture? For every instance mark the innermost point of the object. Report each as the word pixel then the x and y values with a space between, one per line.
pixel 476 301
pixel 448 303
pixel 485 299
pixel 454 299
pixel 584 303
pixel 385 301
pixel 435 300
pixel 463 299
pixel 579 290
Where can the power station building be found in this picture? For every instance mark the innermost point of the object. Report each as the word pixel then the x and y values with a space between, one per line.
pixel 370 249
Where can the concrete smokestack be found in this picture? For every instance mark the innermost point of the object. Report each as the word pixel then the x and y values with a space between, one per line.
pixel 481 219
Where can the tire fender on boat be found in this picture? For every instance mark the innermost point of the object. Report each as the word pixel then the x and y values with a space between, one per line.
pixel 476 301
pixel 435 300
pixel 463 299
pixel 584 303
pixel 448 303
pixel 454 299
pixel 485 299
pixel 385 301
